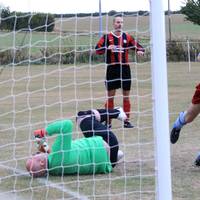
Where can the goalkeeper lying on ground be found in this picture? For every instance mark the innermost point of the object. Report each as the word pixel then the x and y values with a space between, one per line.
pixel 98 152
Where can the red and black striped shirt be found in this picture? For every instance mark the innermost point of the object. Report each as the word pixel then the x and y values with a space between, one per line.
pixel 123 43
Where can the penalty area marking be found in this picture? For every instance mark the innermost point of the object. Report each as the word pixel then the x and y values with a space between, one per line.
pixel 43 181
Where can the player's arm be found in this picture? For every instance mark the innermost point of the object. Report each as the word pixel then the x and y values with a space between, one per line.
pixel 101 45
pixel 133 44
pixel 63 129
pixel 63 141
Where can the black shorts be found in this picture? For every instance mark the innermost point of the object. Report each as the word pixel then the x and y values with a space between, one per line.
pixel 91 127
pixel 118 76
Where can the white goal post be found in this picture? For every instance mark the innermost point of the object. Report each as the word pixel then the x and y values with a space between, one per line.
pixel 160 101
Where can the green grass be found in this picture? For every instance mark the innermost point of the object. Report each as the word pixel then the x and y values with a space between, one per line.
pixel 191 32
pixel 30 103
pixel 36 95
pixel 34 42
pixel 182 27
pixel 85 32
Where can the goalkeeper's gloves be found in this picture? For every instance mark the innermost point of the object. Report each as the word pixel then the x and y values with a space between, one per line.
pixel 41 142
pixel 40 133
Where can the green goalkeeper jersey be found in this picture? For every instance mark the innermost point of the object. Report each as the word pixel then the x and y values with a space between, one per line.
pixel 82 156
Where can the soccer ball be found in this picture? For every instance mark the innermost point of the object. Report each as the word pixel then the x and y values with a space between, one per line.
pixel 197 160
pixel 198 57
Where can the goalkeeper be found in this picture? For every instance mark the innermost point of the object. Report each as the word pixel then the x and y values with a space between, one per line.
pixel 98 152
pixel 186 117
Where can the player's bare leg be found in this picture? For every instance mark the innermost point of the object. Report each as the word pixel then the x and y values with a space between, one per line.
pixel 192 112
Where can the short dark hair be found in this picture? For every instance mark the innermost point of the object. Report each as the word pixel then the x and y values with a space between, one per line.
pixel 117 15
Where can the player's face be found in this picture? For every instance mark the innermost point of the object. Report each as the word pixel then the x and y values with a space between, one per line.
pixel 37 165
pixel 118 24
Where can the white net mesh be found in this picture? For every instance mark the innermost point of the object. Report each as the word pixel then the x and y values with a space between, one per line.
pixel 47 76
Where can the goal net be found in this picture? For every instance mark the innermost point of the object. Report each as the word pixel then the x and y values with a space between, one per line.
pixel 50 72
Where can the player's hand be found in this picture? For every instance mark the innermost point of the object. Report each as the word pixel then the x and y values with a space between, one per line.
pixel 92 51
pixel 40 140
pixel 111 47
pixel 42 145
pixel 140 53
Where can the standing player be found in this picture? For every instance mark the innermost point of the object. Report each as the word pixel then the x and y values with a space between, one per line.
pixel 115 45
pixel 186 117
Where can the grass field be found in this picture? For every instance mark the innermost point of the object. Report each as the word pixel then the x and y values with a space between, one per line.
pixel 36 95
pixel 137 25
pixel 84 32
pixel 33 96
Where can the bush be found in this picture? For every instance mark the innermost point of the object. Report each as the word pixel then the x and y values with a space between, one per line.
pixel 42 22
pixel 178 50
pixel 68 55
pixel 26 21
pixel 9 57
pixel 175 51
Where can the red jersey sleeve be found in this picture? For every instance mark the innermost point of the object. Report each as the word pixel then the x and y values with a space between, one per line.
pixel 101 45
pixel 133 44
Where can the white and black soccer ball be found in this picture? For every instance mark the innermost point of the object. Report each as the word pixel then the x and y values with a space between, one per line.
pixel 197 160
pixel 198 57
